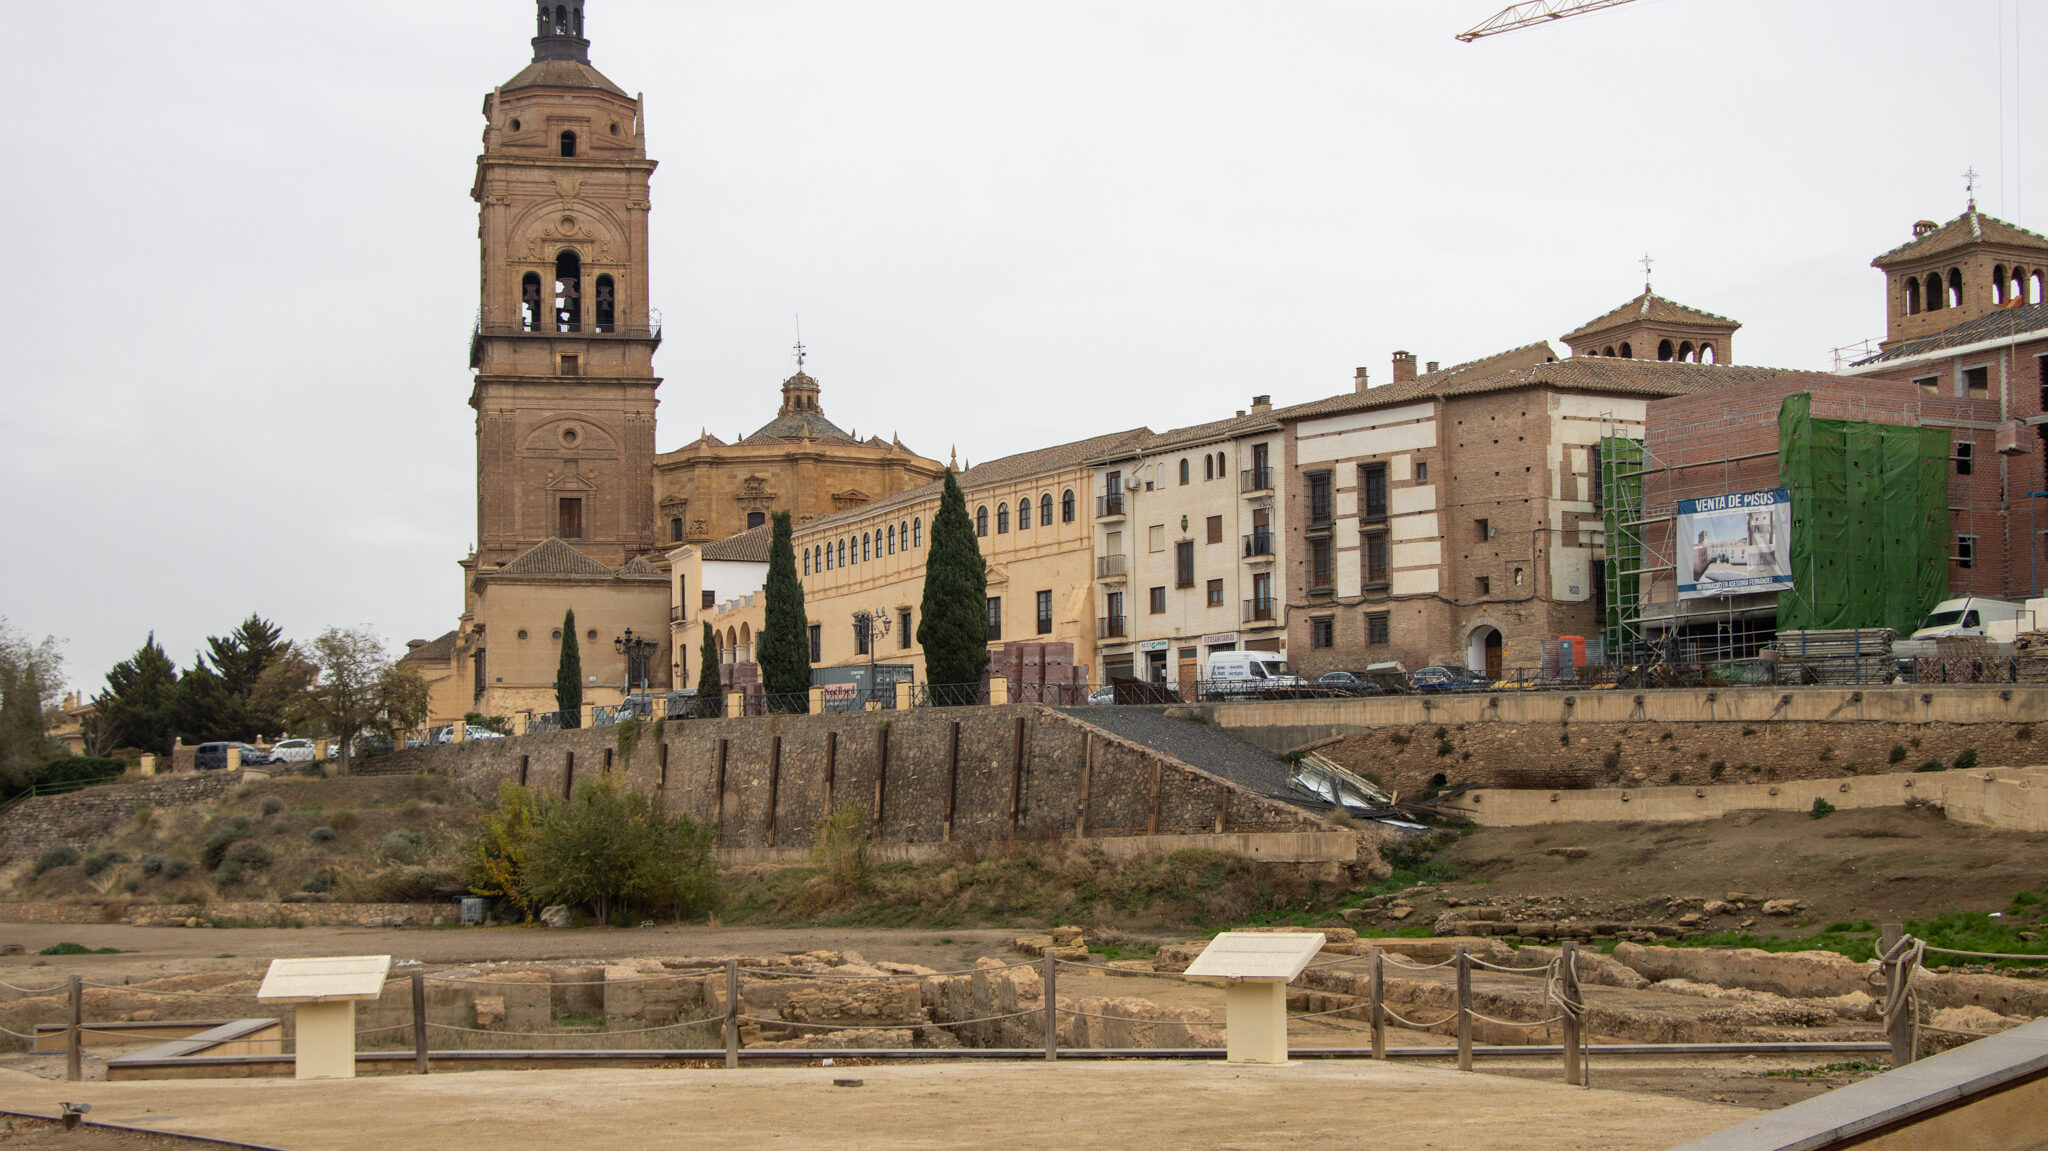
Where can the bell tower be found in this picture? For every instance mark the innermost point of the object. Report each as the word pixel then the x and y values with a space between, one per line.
pixel 564 343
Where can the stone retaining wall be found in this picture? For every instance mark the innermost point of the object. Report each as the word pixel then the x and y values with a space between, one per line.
pixel 77 817
pixel 250 912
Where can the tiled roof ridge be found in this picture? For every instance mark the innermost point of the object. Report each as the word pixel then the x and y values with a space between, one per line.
pixel 1641 305
pixel 994 471
pixel 1943 238
pixel 750 546
pixel 2010 322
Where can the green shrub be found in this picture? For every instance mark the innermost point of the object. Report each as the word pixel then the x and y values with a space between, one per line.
pixel 319 881
pixel 97 862
pixel 1821 808
pixel 342 820
pixel 151 864
pixel 271 805
pixel 1443 747
pixel 225 836
pixel 1720 767
pixel 1898 754
pixel 63 855
pixel 1398 739
pixel 241 859
pixel 1931 765
pixel 175 868
pixel 323 835
pixel 1966 759
pixel 402 847
pixel 605 849
pixel 839 849
pixel 69 948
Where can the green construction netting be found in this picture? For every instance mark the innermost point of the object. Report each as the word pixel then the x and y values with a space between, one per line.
pixel 1621 487
pixel 1869 520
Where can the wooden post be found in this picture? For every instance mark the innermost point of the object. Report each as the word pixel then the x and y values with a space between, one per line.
pixel 1379 1004
pixel 1897 987
pixel 419 1022
pixel 732 1013
pixel 1464 1007
pixel 1568 980
pixel 74 1035
pixel 1052 1009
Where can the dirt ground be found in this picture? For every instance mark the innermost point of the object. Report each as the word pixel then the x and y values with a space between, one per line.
pixel 18 1134
pixel 1880 864
pixel 1155 1105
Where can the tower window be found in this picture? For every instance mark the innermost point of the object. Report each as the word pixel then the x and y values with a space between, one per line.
pixel 569 517
pixel 569 145
pixel 1627 352
pixel 1912 295
pixel 530 306
pixel 675 529
pixel 568 292
pixel 605 304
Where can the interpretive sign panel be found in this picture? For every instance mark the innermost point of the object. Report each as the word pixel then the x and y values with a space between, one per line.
pixel 325 980
pixel 1276 956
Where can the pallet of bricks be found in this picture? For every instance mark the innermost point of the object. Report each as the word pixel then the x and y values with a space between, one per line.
pixel 2030 657
pixel 1961 659
pixel 1847 655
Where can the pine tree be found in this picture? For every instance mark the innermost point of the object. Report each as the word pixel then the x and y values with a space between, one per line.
pixel 784 653
pixel 710 692
pixel 954 630
pixel 569 675
pixel 139 706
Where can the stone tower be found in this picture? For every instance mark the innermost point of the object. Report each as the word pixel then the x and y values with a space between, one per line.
pixel 564 345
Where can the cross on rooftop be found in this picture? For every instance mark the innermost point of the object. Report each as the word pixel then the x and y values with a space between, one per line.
pixel 1970 183
pixel 1646 261
pixel 799 345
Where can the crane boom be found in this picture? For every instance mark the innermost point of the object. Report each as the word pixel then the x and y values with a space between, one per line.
pixel 1536 12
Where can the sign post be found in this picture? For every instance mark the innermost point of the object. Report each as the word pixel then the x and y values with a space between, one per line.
pixel 1256 968
pixel 325 992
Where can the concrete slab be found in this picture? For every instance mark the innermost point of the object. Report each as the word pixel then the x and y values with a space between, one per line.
pixel 1160 1106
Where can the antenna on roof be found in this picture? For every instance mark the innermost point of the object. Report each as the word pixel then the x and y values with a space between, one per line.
pixel 1646 261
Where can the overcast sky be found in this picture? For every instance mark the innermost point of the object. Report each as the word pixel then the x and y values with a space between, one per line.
pixel 244 254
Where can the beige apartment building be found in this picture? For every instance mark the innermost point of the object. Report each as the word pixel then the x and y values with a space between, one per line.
pixel 1187 542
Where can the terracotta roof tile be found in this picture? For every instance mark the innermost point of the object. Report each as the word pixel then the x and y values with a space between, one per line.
pixel 1023 465
pixel 1651 378
pixel 1651 307
pixel 432 651
pixel 1969 228
pixel 750 546
pixel 1998 325
pixel 561 74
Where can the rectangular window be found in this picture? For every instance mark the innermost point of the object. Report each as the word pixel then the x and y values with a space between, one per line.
pixel 1929 385
pixel 860 638
pixel 995 618
pixel 1158 600
pixel 1155 537
pixel 1321 572
pixel 1319 505
pixel 1260 606
pixel 1372 491
pixel 1322 631
pixel 710 599
pixel 1976 383
pixel 1964 451
pixel 1966 551
pixel 570 366
pixel 1045 613
pixel 1484 584
pixel 1184 563
pixel 903 629
pixel 1113 543
pixel 1378 627
pixel 1421 471
pixel 1215 529
pixel 569 517
pixel 1483 529
pixel 1215 593
pixel 1374 546
pixel 675 529
pixel 817 632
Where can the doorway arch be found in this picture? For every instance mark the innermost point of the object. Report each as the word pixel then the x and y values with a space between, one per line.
pixel 1483 650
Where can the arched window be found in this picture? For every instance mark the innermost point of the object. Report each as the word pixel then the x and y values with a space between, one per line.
pixel 756 519
pixel 981 521
pixel 1998 284
pixel 1664 350
pixel 1024 512
pixel 2035 295
pixel 807 561
pixel 842 553
pixel 1183 470
pixel 892 539
pixel 867 548
pixel 1627 353
pixel 1935 295
pixel 903 530
pixel 561 20
pixel 569 145
pixel 1706 353
pixel 1067 506
pixel 530 305
pixel 568 292
pixel 1208 466
pixel 1045 509
pixel 1685 355
pixel 1002 519
pixel 817 558
pixel 1607 351
pixel 1955 287
pixel 605 308
pixel 1912 295
pixel 917 532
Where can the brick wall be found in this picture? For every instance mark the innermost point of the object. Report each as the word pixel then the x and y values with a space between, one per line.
pixel 76 817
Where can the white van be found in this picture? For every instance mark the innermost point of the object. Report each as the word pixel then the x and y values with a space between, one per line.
pixel 1249 671
pixel 1969 615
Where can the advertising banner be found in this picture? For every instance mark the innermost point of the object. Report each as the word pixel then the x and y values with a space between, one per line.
pixel 1737 544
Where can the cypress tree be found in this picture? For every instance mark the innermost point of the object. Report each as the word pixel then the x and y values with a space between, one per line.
pixel 710 693
pixel 785 649
pixel 139 706
pixel 569 675
pixel 954 630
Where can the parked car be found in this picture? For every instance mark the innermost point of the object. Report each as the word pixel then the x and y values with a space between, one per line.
pixel 1250 673
pixel 1348 683
pixel 1447 677
pixel 214 756
pixel 1101 696
pixel 292 751
pixel 479 731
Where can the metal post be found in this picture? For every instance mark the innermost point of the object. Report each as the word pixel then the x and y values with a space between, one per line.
pixel 1897 989
pixel 1379 1004
pixel 1568 981
pixel 74 1038
pixel 1464 1007
pixel 1052 1009
pixel 732 1013
pixel 419 1022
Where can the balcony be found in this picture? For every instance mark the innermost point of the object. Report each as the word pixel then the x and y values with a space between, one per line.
pixel 1258 545
pixel 1109 506
pixel 1111 567
pixel 1261 610
pixel 1256 480
pixel 1110 627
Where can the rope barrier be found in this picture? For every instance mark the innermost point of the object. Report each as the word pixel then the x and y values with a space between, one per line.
pixel 1477 962
pixel 693 973
pixel 1393 962
pixel 17 1034
pixel 767 1021
pixel 1904 955
pixel 1112 970
pixel 1984 954
pixel 1512 1023
pixel 1333 1011
pixel 1956 1031
pixel 571 1034
pixel 33 991
pixel 179 994
pixel 1406 1022
pixel 1134 1019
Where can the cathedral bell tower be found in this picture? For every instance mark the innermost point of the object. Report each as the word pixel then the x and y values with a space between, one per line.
pixel 563 349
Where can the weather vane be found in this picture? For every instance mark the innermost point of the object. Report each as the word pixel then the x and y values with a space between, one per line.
pixel 1970 183
pixel 1646 261
pixel 799 345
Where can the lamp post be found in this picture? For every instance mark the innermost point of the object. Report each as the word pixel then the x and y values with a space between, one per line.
pixel 869 626
pixel 636 651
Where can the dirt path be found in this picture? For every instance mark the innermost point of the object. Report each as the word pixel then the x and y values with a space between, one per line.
pixel 903 1108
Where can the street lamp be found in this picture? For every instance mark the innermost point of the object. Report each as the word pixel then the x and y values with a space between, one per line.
pixel 869 626
pixel 636 652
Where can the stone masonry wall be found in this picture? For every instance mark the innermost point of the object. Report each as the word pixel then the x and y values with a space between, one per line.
pixel 933 775
pixel 45 821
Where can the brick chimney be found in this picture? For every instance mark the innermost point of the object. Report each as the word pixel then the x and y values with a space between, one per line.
pixel 1430 369
pixel 1262 403
pixel 1358 383
pixel 1404 367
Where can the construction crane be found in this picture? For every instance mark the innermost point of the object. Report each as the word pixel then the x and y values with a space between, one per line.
pixel 1536 12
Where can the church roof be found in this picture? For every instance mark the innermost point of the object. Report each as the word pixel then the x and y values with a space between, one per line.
pixel 748 547
pixel 1023 465
pixel 432 651
pixel 1999 324
pixel 639 568
pixel 800 418
pixel 561 74
pixel 1651 308
pixel 553 559
pixel 1603 374
pixel 1971 227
